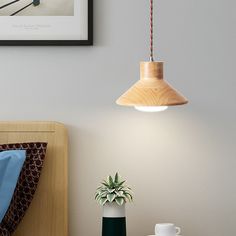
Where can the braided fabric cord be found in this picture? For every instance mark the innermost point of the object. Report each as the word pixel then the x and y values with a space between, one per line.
pixel 151 30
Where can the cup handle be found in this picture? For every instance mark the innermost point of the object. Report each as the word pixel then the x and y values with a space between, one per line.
pixel 178 230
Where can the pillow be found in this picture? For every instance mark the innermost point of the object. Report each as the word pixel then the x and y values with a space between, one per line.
pixel 26 185
pixel 11 163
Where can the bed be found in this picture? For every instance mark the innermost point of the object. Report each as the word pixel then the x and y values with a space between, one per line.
pixel 48 212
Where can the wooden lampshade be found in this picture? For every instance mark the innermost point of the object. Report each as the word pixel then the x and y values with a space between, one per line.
pixel 151 89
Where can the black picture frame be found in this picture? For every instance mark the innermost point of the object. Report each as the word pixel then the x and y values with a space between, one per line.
pixel 88 42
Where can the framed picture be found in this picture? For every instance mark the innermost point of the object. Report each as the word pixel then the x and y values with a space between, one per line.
pixel 46 22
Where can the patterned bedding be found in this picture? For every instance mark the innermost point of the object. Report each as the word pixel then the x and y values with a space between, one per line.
pixel 26 184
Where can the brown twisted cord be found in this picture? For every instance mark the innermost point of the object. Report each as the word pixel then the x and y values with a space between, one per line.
pixel 151 31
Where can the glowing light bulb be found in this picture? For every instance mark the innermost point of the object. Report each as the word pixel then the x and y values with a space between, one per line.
pixel 151 108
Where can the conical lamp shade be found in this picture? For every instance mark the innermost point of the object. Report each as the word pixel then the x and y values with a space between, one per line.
pixel 151 89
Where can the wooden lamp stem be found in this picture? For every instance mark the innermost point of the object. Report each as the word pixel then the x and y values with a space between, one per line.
pixel 151 70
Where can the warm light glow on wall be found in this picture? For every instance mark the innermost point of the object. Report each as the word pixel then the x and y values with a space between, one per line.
pixel 151 108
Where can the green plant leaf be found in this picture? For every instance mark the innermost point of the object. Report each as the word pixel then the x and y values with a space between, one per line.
pixel 117 178
pixel 119 193
pixel 104 194
pixel 111 197
pixel 99 191
pixel 105 184
pixel 129 197
pixel 110 181
pixel 120 201
pixel 111 190
pixel 96 196
pixel 120 184
pixel 102 201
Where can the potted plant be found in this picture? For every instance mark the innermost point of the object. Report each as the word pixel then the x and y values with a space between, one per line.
pixel 113 194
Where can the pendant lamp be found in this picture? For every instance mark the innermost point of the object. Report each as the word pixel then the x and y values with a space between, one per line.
pixel 151 93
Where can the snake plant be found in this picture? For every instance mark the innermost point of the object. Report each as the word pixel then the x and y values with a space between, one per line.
pixel 113 190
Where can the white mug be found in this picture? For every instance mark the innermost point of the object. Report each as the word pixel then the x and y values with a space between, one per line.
pixel 167 229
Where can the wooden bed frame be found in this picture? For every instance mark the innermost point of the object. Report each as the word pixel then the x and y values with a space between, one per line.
pixel 48 212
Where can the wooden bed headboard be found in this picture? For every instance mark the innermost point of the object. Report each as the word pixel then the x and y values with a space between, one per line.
pixel 48 212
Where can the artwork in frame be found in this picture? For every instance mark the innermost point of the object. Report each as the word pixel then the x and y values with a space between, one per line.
pixel 46 22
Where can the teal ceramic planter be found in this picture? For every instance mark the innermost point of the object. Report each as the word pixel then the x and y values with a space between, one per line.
pixel 114 226
pixel 114 220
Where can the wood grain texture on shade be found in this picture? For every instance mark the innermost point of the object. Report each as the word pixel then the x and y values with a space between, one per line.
pixel 151 89
pixel 48 212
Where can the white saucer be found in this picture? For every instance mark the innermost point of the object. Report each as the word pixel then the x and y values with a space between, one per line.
pixel 159 235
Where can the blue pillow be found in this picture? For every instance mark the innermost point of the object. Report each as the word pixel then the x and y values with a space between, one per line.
pixel 11 163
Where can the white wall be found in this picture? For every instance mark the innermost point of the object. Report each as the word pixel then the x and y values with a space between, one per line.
pixel 180 163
